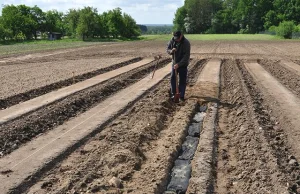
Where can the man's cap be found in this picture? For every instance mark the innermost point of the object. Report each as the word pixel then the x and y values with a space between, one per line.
pixel 177 35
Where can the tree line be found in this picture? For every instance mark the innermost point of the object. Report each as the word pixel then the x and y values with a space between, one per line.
pixel 22 22
pixel 235 16
pixel 156 29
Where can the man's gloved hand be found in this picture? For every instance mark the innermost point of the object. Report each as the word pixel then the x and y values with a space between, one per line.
pixel 176 66
pixel 173 50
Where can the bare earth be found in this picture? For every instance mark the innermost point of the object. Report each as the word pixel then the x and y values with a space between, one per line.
pixel 257 137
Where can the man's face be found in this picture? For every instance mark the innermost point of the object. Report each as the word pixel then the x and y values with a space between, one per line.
pixel 179 39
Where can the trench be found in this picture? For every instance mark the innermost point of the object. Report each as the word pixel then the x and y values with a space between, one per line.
pixel 181 171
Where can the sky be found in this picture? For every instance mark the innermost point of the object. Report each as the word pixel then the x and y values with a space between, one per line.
pixel 143 11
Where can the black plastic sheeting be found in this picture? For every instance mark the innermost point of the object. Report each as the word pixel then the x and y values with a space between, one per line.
pixel 194 130
pixel 189 148
pixel 198 118
pixel 181 172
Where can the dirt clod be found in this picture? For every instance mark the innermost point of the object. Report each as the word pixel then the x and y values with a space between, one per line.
pixel 115 182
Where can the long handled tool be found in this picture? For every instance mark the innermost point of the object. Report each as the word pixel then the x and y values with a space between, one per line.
pixel 156 58
pixel 177 95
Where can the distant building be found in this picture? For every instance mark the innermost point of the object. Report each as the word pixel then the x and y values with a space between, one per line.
pixel 54 35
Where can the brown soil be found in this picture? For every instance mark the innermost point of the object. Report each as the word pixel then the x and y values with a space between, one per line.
pixel 276 129
pixel 22 130
pixel 125 149
pixel 16 79
pixel 245 162
pixel 288 78
pixel 254 151
pixel 21 97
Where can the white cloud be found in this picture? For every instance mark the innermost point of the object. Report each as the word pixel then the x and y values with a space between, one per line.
pixel 143 11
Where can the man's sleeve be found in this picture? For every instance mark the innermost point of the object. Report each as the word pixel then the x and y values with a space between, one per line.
pixel 169 48
pixel 186 57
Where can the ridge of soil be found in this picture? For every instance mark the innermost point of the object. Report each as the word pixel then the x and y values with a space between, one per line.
pixel 119 150
pixel 247 157
pixel 19 131
pixel 286 77
pixel 16 99
pixel 274 127
pixel 161 153
pixel 257 140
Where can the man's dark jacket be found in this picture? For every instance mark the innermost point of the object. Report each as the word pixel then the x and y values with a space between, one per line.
pixel 183 51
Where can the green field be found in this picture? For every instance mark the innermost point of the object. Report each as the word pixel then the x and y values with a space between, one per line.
pixel 29 46
pixel 209 37
pixel 40 46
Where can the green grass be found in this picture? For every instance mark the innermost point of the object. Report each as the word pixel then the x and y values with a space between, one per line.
pixel 29 46
pixel 212 37
pixel 41 45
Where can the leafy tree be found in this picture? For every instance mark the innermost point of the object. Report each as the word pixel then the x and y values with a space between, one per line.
pixel 200 14
pixel 180 15
pixel 12 19
pixel 71 21
pixel 194 14
pixel 271 19
pixel 223 22
pixel 287 10
pixel 143 28
pixel 159 29
pixel 5 34
pixel 189 24
pixel 247 16
pixel 262 8
pixel 23 22
pixel 104 25
pixel 231 16
pixel 28 23
pixel 38 19
pixel 130 28
pixel 285 29
pixel 87 22
pixel 54 22
pixel 115 22
pixel 2 32
pixel 297 28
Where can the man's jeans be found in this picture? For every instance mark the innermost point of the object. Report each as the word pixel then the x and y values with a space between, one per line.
pixel 182 71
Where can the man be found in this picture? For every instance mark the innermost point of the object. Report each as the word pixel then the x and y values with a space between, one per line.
pixel 179 47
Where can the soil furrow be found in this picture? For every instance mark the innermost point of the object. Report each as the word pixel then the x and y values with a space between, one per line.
pixel 22 130
pixel 246 161
pixel 12 100
pixel 194 72
pixel 274 127
pixel 120 150
pixel 161 153
pixel 134 150
pixel 288 78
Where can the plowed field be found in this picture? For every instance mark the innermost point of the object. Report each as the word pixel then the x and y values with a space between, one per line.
pixel 97 120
